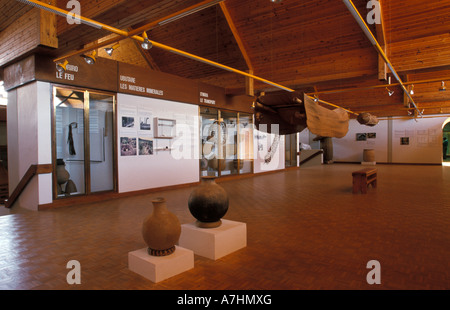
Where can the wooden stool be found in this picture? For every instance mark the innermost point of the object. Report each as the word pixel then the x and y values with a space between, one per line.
pixel 362 179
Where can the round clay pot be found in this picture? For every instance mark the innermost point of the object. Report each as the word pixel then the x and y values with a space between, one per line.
pixel 208 203
pixel 161 230
pixel 369 155
pixel 62 175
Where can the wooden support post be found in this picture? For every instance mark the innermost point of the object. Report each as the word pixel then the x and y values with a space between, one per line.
pixel 381 38
pixel 249 85
pixel 47 30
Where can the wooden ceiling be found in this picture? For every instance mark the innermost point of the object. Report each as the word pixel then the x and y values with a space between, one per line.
pixel 311 46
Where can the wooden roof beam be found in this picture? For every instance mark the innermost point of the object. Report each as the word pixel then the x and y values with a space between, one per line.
pixel 249 82
pixel 354 11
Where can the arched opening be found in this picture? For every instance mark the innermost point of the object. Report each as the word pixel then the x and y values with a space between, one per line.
pixel 446 142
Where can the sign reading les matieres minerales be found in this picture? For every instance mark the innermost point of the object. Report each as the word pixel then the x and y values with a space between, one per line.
pixel 145 82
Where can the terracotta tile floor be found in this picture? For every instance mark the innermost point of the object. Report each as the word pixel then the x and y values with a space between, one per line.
pixel 305 230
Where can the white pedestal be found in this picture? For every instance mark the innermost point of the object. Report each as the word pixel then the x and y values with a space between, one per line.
pixel 158 268
pixel 214 243
pixel 368 163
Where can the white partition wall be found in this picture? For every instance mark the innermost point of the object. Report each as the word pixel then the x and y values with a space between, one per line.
pixel 394 140
pixel 417 141
pixel 29 141
pixel 351 147
pixel 147 156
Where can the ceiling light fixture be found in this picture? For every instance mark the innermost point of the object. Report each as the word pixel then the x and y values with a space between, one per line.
pixel 90 59
pixel 276 1
pixel 442 88
pixel 146 45
pixel 390 92
pixel 61 67
pixel 110 50
pixel 411 91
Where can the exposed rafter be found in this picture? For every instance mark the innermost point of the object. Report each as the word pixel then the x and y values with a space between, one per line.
pixel 249 82
pixel 351 7
pixel 161 21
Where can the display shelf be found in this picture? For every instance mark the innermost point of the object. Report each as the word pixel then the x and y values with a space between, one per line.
pixel 164 128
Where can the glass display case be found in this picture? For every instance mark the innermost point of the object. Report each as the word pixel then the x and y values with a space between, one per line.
pixel 226 142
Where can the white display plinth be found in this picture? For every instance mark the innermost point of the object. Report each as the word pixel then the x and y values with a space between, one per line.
pixel 368 163
pixel 214 243
pixel 158 268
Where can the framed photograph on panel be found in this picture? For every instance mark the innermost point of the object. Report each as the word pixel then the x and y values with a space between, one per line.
pixel 361 137
pixel 145 123
pixel 145 146
pixel 128 146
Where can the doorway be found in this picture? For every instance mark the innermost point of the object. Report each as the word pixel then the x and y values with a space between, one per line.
pixel 445 143
pixel 291 151
pixel 83 142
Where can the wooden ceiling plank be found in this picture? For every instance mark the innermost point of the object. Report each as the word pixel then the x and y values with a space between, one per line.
pixel 136 31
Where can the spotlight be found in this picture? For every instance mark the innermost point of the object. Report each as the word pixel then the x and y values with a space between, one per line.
pixel 442 88
pixel 390 92
pixel 316 99
pixel 90 59
pixel 110 50
pixel 411 92
pixel 61 67
pixel 146 45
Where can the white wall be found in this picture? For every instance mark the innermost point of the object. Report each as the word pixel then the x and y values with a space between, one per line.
pixel 162 168
pixel 347 149
pixel 29 141
pixel 425 141
pixel 44 140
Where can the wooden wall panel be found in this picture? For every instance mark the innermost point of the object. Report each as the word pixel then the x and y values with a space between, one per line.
pixel 102 75
pixel 20 73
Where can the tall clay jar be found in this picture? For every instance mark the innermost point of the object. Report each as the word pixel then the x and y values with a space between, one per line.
pixel 208 203
pixel 161 230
